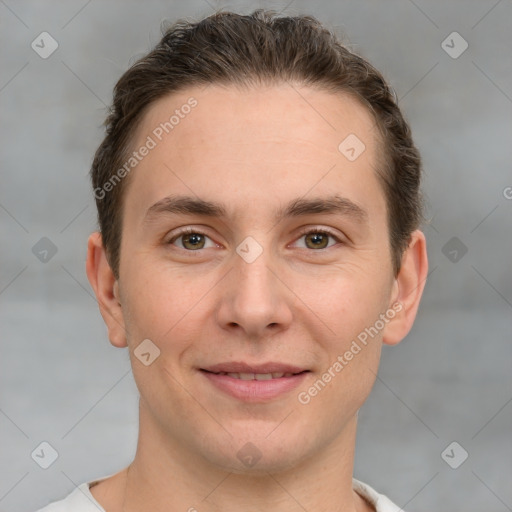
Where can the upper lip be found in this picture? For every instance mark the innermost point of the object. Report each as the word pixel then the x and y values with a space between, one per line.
pixel 241 367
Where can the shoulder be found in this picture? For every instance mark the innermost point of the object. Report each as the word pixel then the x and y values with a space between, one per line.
pixel 380 502
pixel 79 500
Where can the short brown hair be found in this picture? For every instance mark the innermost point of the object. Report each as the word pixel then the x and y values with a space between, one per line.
pixel 244 50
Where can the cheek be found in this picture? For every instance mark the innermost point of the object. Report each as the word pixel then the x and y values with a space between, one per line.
pixel 346 300
pixel 350 308
pixel 160 301
pixel 352 352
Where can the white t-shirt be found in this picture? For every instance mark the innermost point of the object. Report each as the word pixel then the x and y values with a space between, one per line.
pixel 81 499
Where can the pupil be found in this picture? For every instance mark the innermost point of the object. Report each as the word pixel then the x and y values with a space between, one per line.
pixel 318 239
pixel 193 239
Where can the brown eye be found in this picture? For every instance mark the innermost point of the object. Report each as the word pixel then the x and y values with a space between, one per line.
pixel 191 240
pixel 318 239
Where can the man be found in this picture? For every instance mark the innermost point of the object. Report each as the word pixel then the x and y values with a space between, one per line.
pixel 258 201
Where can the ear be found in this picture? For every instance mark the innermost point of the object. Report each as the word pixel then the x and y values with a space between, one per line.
pixel 407 289
pixel 106 289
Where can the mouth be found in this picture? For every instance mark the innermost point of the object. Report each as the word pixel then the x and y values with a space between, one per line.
pixel 239 367
pixel 254 383
pixel 256 376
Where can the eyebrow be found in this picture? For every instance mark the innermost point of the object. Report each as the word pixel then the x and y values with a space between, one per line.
pixel 188 205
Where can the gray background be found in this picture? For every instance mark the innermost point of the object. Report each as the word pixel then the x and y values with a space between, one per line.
pixel 449 380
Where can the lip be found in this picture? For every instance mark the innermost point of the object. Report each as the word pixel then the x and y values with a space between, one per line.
pixel 254 391
pixel 242 367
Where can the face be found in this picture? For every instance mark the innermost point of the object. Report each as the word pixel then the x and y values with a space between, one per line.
pixel 277 263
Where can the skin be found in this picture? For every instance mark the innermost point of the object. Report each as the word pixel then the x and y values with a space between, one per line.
pixel 252 150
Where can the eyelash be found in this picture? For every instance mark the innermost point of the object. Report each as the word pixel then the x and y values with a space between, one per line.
pixel 304 232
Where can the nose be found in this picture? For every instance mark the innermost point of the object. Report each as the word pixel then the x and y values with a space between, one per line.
pixel 254 300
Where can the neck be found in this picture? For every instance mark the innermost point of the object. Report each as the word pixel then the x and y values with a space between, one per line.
pixel 165 474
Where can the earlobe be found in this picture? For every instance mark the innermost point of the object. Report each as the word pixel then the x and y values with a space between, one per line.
pixel 106 289
pixel 407 289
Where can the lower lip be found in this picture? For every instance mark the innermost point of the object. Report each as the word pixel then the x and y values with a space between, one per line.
pixel 254 390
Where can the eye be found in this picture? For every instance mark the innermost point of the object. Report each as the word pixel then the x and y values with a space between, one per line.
pixel 191 240
pixel 318 238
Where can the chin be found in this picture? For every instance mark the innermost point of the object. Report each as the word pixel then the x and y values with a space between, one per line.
pixel 257 455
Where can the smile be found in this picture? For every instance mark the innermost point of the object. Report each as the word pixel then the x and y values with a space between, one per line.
pixel 256 376
pixel 254 387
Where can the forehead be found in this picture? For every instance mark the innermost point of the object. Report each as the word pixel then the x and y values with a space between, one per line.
pixel 273 141
pixel 229 114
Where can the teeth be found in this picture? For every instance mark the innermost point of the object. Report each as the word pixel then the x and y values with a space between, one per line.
pixel 256 376
pixel 264 376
